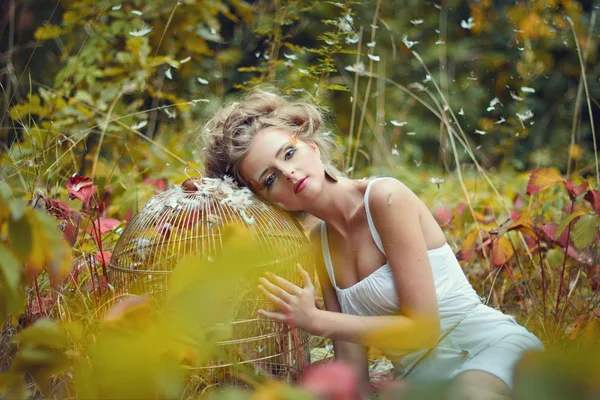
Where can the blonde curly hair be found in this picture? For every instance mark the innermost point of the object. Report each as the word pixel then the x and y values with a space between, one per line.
pixel 228 135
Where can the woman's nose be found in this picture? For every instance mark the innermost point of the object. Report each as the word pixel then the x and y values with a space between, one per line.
pixel 289 174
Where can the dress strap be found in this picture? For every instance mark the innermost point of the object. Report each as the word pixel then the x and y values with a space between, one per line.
pixel 327 254
pixel 374 233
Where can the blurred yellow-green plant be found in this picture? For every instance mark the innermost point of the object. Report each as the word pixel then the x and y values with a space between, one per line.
pixel 487 110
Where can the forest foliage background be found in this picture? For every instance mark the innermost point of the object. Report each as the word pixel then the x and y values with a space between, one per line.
pixel 488 110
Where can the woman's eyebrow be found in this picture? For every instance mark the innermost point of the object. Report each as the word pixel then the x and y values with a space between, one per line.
pixel 276 156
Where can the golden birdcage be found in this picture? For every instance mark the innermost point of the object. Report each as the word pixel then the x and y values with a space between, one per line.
pixel 193 220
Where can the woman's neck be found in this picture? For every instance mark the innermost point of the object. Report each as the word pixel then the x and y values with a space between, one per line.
pixel 338 203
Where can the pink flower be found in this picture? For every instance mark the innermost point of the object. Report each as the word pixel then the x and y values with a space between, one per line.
pixel 331 381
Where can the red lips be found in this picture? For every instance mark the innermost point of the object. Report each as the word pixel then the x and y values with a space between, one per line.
pixel 298 186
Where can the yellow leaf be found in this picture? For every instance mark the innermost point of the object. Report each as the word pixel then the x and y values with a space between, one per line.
pixel 502 251
pixel 48 32
pixel 575 151
pixel 542 178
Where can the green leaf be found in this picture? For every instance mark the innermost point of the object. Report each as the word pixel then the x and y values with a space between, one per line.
pixel 341 88
pixel 54 250
pixel 30 358
pixel 17 208
pixel 5 192
pixel 21 237
pixel 12 298
pixel 41 363
pixel 555 257
pixel 585 230
pixel 565 222
pixel 48 32
pixel 10 269
pixel 44 332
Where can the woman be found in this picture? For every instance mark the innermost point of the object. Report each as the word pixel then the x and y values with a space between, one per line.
pixel 389 278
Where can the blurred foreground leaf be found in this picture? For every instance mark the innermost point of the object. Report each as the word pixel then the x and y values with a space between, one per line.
pixel 554 375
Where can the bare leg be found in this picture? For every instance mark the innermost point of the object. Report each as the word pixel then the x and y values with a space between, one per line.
pixel 478 385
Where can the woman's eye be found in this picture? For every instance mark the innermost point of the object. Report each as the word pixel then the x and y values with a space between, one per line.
pixel 269 180
pixel 290 153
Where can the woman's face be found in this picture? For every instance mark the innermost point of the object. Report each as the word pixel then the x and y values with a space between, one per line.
pixel 283 169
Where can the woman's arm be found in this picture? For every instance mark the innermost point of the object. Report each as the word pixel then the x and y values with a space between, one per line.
pixel 350 353
pixel 394 209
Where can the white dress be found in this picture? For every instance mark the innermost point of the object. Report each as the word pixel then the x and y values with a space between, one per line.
pixel 474 336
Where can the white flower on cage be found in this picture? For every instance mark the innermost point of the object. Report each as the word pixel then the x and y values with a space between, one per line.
pixel 213 219
pixel 238 200
pixel 226 188
pixel 204 190
pixel 154 206
pixel 249 219
pixel 188 202
pixel 141 245
pixel 172 203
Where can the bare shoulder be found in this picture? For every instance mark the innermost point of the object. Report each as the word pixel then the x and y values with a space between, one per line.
pixel 391 192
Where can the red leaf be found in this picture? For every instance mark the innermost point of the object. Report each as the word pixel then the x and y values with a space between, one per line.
pixel 159 184
pixel 460 209
pixel 106 225
pixel 518 202
pixel 593 197
pixel 58 209
pixel 81 188
pixel 550 233
pixel 68 221
pixel 443 216
pixel 127 306
pixel 575 191
pixel 105 255
pixel 128 215
pixel 531 242
pixel 597 312
pixel 541 179
pixel 331 380
pixel 70 233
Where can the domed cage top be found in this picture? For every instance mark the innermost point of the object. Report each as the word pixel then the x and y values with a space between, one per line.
pixel 192 219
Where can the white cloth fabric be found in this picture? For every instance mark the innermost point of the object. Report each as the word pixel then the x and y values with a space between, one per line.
pixel 484 339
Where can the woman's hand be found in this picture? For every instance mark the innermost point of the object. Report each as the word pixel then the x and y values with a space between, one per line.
pixel 296 304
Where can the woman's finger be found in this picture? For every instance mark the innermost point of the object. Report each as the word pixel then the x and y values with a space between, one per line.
pixel 276 290
pixel 274 299
pixel 283 283
pixel 307 281
pixel 275 316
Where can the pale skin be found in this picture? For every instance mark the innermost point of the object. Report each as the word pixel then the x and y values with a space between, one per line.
pixel 274 164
